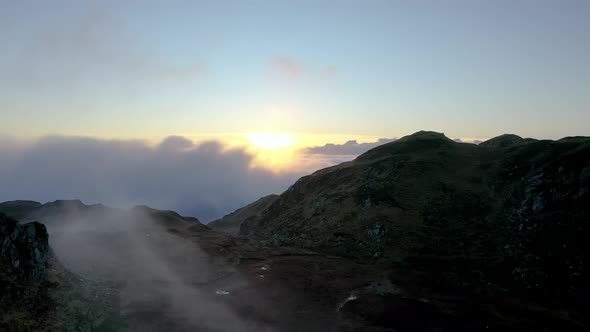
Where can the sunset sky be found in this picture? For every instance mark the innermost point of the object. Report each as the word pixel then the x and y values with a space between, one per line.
pixel 275 77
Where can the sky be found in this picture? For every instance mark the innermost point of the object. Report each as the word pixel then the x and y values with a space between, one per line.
pixel 149 69
pixel 276 78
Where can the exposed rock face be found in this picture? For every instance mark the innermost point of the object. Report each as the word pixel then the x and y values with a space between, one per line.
pixel 24 249
pixel 24 260
pixel 511 211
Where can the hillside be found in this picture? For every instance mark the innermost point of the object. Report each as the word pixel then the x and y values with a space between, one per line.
pixel 36 292
pixel 512 213
pixel 421 234
pixel 231 223
pixel 103 263
pixel 151 270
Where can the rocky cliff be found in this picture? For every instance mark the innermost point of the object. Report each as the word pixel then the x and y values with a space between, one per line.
pixel 24 250
pixel 24 256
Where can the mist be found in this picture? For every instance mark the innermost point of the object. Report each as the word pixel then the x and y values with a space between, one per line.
pixel 157 279
pixel 205 180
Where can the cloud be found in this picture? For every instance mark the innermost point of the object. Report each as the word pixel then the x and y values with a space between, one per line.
pixel 351 147
pixel 204 180
pixel 470 141
pixel 175 143
pixel 293 69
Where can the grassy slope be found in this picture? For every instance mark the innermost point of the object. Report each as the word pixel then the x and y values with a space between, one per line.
pixel 231 223
pixel 459 218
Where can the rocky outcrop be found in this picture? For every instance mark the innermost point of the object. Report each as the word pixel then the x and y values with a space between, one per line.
pixel 24 260
pixel 24 250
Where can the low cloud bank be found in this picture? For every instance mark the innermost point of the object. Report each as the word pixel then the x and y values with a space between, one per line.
pixel 204 180
pixel 470 141
pixel 351 147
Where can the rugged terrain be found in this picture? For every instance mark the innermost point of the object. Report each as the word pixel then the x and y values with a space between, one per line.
pixel 152 270
pixel 24 254
pixel 506 218
pixel 422 234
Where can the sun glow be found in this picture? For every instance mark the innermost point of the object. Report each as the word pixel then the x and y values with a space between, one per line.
pixel 274 151
pixel 285 152
pixel 267 141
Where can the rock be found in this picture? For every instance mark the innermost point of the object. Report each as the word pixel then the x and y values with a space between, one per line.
pixel 537 203
pixel 275 241
pixel 24 249
pixel 24 260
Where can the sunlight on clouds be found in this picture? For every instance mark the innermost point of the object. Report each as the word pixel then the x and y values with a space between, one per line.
pixel 281 152
pixel 273 151
pixel 268 141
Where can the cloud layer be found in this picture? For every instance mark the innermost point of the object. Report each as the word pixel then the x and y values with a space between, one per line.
pixel 205 180
pixel 470 141
pixel 351 147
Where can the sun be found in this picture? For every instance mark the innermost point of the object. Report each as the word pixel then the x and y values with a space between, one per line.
pixel 268 141
pixel 272 151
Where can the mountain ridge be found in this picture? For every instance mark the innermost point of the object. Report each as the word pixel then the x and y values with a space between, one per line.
pixel 427 203
pixel 419 234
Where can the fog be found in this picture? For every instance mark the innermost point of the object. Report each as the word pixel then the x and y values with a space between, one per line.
pixel 204 180
pixel 161 280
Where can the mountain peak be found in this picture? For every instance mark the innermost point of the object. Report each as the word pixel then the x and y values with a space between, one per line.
pixel 419 141
pixel 426 134
pixel 502 141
